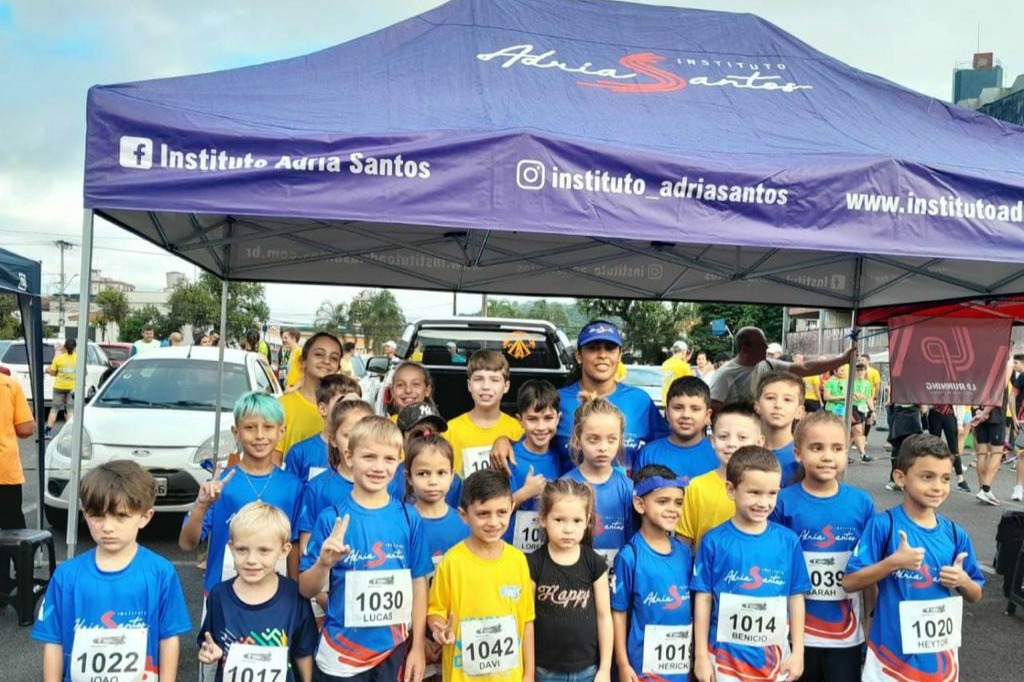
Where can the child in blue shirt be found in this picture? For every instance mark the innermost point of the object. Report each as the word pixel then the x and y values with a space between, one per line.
pixel 829 518
pixel 597 438
pixel 650 591
pixel 372 549
pixel 256 623
pixel 308 458
pixel 118 608
pixel 259 426
pixel 685 450
pixel 535 463
pixel 924 566
pixel 779 401
pixel 749 581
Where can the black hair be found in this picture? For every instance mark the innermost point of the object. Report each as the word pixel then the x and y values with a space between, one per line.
pixel 744 409
pixel 649 471
pixel 484 485
pixel 70 345
pixel 921 445
pixel 308 345
pixel 690 387
pixel 538 395
pixel 348 347
pixel 751 458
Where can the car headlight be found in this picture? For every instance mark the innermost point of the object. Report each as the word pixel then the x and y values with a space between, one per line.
pixel 205 451
pixel 62 446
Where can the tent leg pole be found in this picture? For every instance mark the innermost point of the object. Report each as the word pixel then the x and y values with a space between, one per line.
pixel 77 428
pixel 851 374
pixel 220 367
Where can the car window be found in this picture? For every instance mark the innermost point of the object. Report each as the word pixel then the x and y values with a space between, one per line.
pixel 116 352
pixel 644 376
pixel 173 383
pixel 521 348
pixel 17 354
pixel 94 357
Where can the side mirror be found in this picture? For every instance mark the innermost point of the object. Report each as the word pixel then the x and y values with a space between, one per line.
pixel 378 366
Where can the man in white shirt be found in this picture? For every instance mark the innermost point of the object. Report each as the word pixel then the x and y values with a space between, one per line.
pixel 146 343
pixel 736 380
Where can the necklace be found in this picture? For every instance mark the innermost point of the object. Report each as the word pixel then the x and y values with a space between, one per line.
pixel 258 493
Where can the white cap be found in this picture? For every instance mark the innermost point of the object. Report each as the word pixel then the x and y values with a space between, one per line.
pixel 392 344
pixel 774 349
pixel 679 345
pixel 451 344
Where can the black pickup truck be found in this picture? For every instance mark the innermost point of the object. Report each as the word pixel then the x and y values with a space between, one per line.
pixel 535 349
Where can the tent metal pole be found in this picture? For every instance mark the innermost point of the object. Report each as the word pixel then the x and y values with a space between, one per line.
pixel 31 320
pixel 785 329
pixel 220 368
pixel 77 428
pixel 851 373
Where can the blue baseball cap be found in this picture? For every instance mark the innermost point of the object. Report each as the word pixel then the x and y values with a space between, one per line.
pixel 599 331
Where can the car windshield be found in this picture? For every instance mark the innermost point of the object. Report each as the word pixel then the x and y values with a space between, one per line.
pixel 116 352
pixel 173 383
pixel 522 349
pixel 18 355
pixel 644 376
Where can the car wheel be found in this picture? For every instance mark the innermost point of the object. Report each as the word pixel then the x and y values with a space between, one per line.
pixel 57 518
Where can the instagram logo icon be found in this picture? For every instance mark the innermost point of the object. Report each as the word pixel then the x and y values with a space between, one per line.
pixel 530 175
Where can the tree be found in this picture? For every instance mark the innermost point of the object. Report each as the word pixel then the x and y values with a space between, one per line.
pixel 377 312
pixel 766 317
pixel 198 304
pixel 648 326
pixel 113 308
pixel 131 328
pixel 10 325
pixel 332 317
pixel 192 303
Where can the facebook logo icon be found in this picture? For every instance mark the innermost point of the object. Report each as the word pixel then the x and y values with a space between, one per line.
pixel 136 152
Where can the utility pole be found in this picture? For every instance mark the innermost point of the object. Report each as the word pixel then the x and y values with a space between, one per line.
pixel 62 320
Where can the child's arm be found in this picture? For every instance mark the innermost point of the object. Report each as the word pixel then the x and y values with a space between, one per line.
pixel 170 649
pixel 620 623
pixel 532 487
pixel 415 662
pixel 794 665
pixel 303 541
pixel 293 562
pixel 702 668
pixel 311 581
pixel 605 628
pixel 955 578
pixel 905 557
pixel 53 663
pixel 304 669
pixel 528 657
pixel 209 493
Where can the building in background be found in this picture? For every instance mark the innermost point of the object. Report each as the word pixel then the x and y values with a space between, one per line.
pixel 970 83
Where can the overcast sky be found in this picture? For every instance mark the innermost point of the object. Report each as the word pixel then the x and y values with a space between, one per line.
pixel 51 51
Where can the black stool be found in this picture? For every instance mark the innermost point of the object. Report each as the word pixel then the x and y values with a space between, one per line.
pixel 21 546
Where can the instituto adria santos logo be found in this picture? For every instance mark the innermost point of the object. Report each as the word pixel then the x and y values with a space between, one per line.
pixel 644 72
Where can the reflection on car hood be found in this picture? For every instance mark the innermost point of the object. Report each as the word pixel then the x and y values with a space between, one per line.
pixel 139 427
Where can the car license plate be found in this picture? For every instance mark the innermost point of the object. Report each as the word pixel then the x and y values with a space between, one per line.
pixel 161 487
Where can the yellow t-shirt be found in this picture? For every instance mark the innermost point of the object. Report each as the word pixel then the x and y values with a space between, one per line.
pixel 620 372
pixel 875 377
pixel 14 410
pixel 473 443
pixel 294 375
pixel 705 506
pixel 812 387
pixel 64 366
pixel 673 368
pixel 301 420
pixel 468 587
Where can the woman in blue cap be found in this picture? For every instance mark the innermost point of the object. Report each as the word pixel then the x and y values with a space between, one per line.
pixel 598 353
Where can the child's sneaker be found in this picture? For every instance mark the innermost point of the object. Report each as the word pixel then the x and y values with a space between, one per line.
pixel 962 485
pixel 48 434
pixel 1018 493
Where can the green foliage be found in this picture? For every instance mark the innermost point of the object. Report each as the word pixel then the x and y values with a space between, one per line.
pixel 648 326
pixel 10 326
pixel 767 317
pixel 198 303
pixel 567 317
pixel 377 313
pixel 131 327
pixel 332 317
pixel 113 306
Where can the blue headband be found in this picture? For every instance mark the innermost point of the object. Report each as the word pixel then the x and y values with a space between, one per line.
pixel 655 482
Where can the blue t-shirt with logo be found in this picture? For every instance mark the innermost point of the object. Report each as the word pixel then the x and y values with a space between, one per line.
pixel 613 511
pixel 385 539
pixel 686 461
pixel 547 465
pixel 307 458
pixel 942 544
pixel 644 422
pixel 787 460
pixel 653 588
pixel 286 619
pixel 82 600
pixel 828 528
pixel 278 488
pixel 444 533
pixel 769 564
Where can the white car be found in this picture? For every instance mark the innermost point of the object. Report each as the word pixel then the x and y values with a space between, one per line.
pixel 15 358
pixel 158 409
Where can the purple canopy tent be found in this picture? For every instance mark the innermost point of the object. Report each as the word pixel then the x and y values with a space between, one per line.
pixel 566 146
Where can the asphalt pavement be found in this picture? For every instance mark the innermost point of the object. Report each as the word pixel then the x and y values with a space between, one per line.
pixel 993 642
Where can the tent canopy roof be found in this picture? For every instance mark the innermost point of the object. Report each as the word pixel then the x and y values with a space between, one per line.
pixel 19 275
pixel 568 147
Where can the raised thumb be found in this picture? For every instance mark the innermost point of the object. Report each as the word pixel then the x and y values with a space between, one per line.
pixel 903 539
pixel 959 562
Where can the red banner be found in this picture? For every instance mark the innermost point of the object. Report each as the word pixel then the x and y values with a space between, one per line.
pixel 936 361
